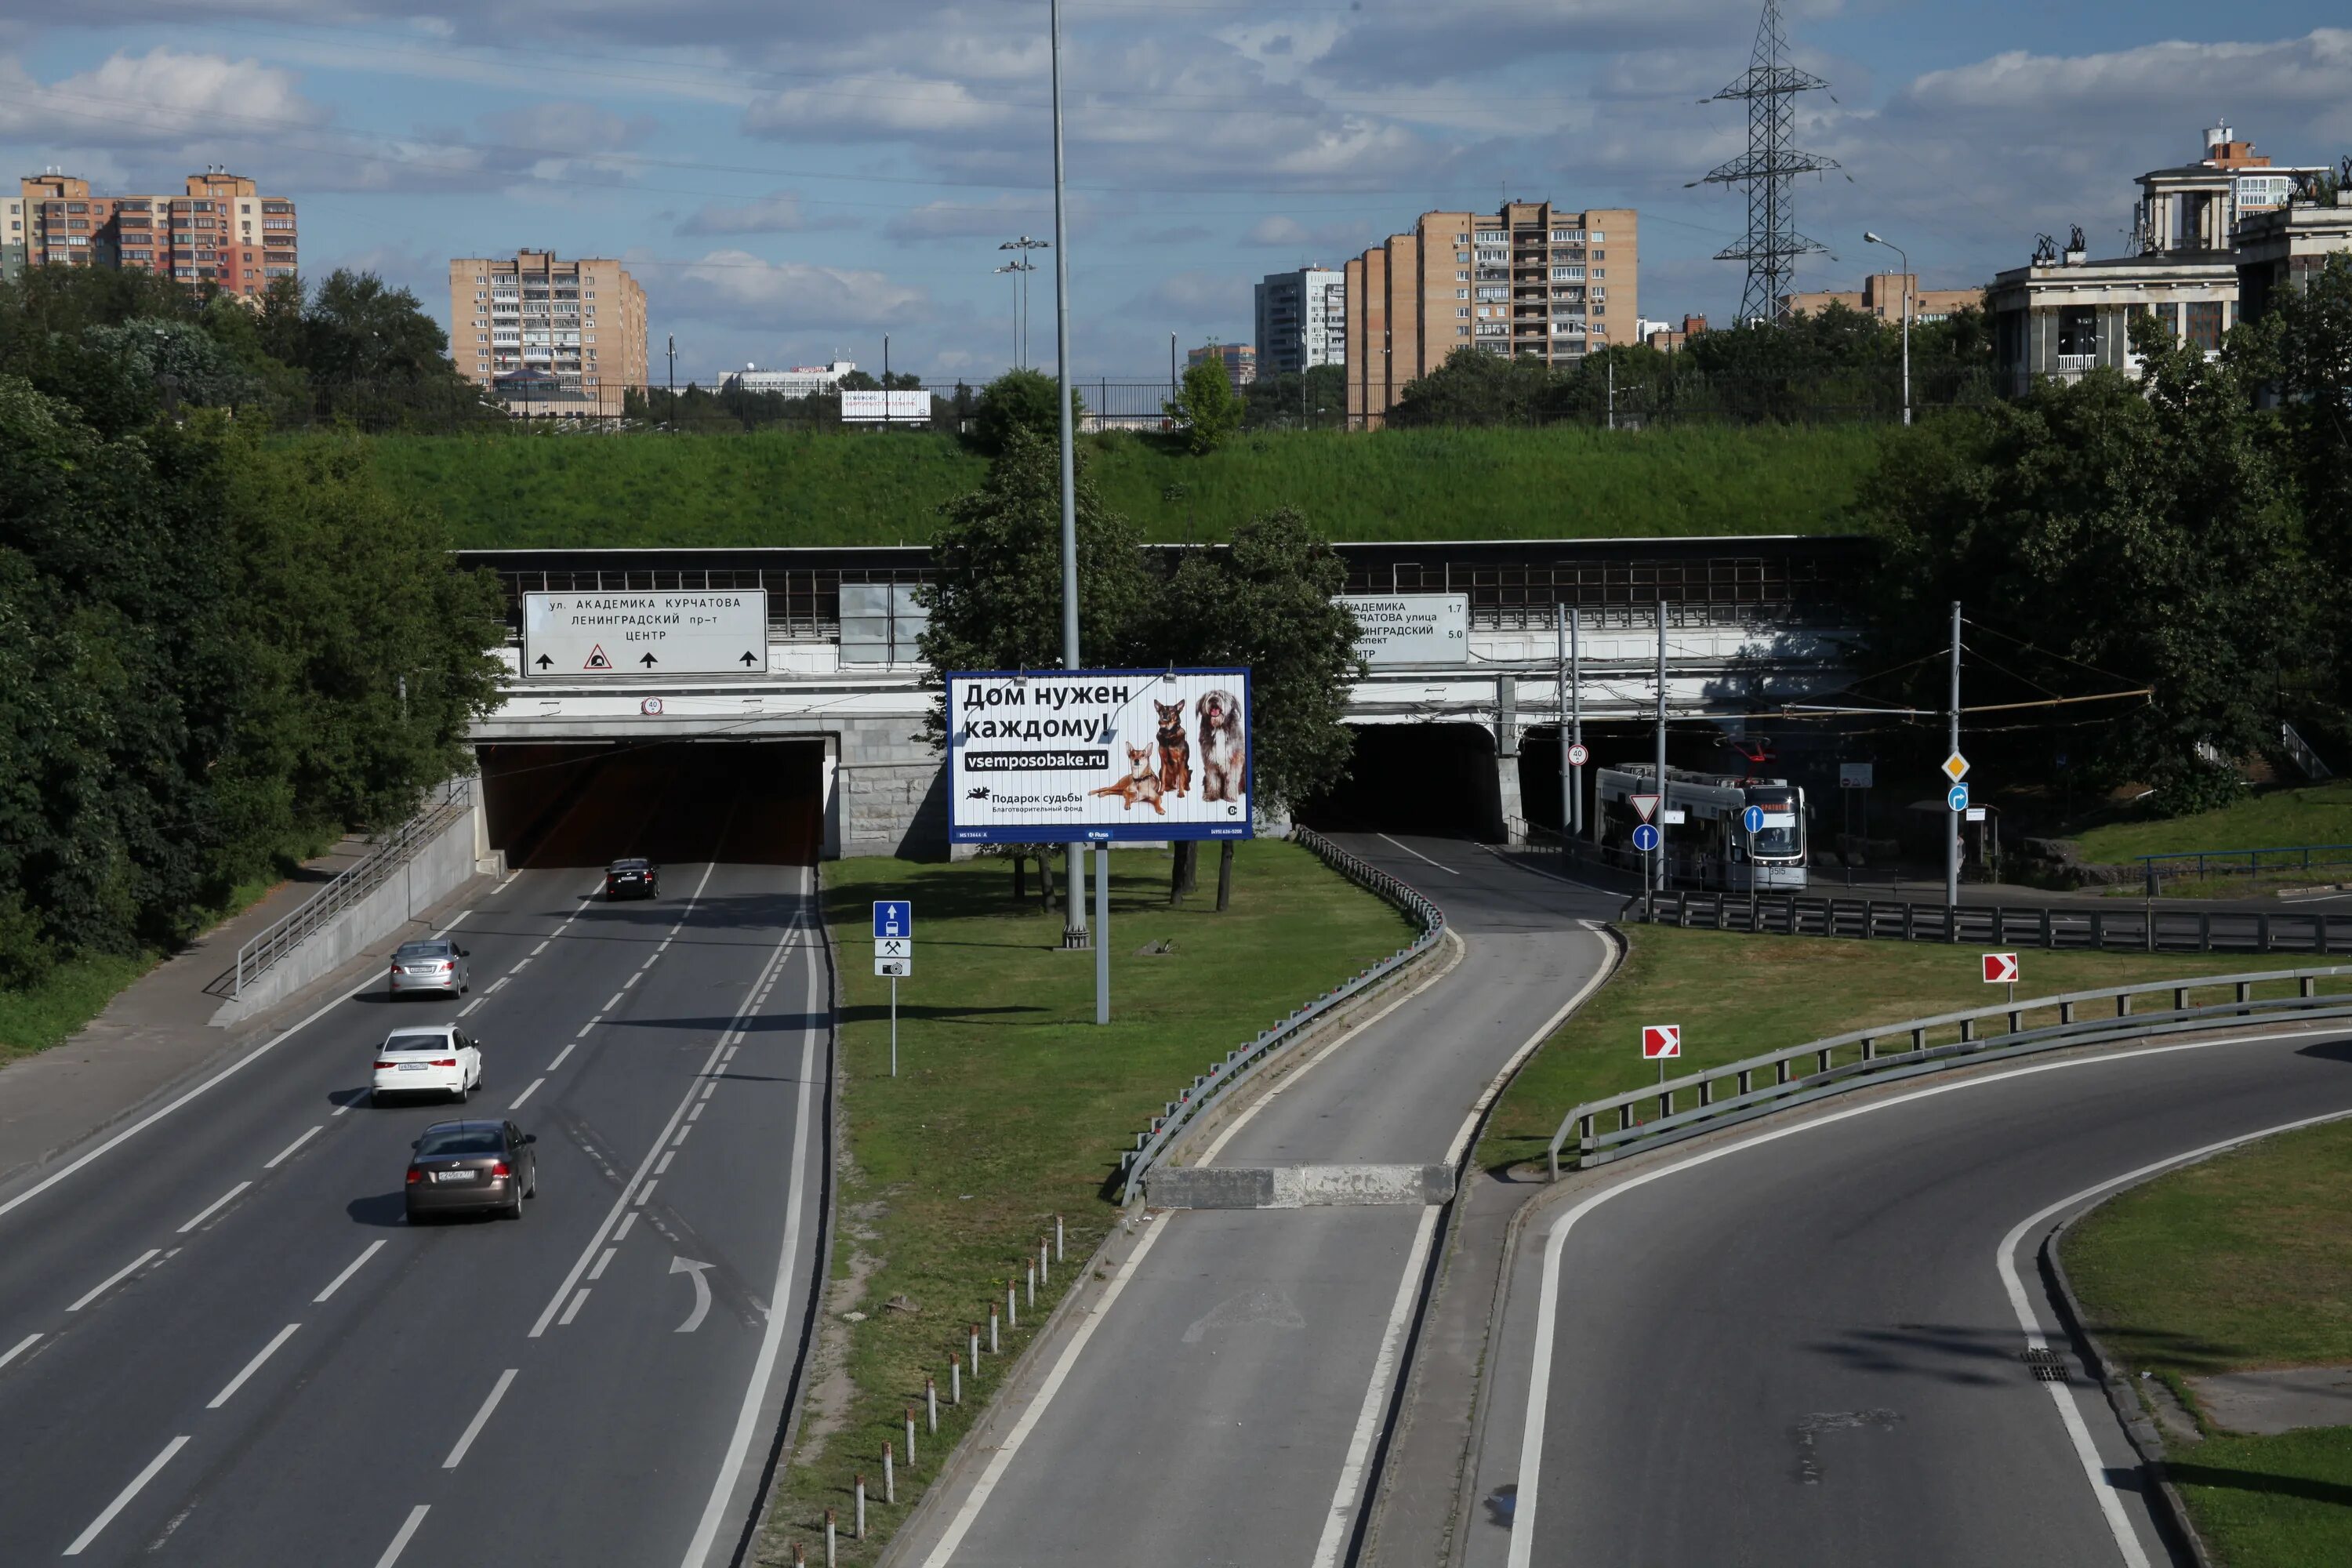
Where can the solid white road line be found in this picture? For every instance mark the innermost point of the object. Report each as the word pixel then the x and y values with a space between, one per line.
pixel 21 1347
pixel 117 1278
pixel 339 1280
pixel 2095 1469
pixel 1531 1435
pixel 1376 1397
pixel 481 1419
pixel 1461 1145
pixel 123 1500
pixel 1419 856
pixel 408 1530
pixel 747 1418
pixel 529 1089
pixel 213 1208
pixel 283 1154
pixel 1003 1458
pixel 252 1366
pixel 566 1052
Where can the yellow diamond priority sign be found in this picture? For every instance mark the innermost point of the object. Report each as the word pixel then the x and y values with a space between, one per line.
pixel 1956 767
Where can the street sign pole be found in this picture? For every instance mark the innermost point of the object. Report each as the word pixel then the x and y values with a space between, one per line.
pixel 1952 828
pixel 894 1025
pixel 1567 790
pixel 1658 873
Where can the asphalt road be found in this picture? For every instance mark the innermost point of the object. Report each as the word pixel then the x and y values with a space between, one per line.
pixel 1796 1345
pixel 1228 1405
pixel 220 1343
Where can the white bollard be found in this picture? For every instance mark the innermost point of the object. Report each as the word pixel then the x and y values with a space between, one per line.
pixel 1057 1238
pixel 828 1539
pixel 932 1403
pixel 910 1437
pixel 975 1347
pixel 955 1375
pixel 889 1477
pixel 1033 1282
pixel 991 1329
pixel 1013 1303
pixel 1045 1261
pixel 861 1508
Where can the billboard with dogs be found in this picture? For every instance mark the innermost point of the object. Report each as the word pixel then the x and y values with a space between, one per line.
pixel 1056 756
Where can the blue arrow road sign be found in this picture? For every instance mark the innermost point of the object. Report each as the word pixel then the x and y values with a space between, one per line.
pixel 1752 819
pixel 1645 838
pixel 1959 799
pixel 893 918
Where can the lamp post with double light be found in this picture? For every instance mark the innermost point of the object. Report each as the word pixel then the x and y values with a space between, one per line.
pixel 1874 239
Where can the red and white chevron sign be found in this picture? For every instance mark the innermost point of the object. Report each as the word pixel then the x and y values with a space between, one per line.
pixel 2000 968
pixel 1661 1040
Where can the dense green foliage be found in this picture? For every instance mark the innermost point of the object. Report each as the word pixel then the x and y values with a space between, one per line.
pixel 1315 400
pixel 204 633
pixel 1207 408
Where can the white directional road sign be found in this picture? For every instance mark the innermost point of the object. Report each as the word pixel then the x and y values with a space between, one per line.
pixel 1412 629
pixel 894 968
pixel 1661 1040
pixel 2000 968
pixel 893 917
pixel 1752 819
pixel 570 637
pixel 1645 838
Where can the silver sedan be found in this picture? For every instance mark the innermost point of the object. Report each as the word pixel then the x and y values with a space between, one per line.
pixel 438 967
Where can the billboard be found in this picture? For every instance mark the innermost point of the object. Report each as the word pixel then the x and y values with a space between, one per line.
pixel 1058 756
pixel 1410 628
pixel 645 633
pixel 904 407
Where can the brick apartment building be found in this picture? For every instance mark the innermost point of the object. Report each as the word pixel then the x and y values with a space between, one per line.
pixel 551 336
pixel 1531 280
pixel 220 229
pixel 1881 296
pixel 1240 360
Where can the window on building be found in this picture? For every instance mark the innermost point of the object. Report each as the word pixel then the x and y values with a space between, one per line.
pixel 1600 271
pixel 77 206
pixel 2204 326
pixel 2168 316
pixel 1462 310
pixel 2078 330
pixel 1600 256
pixel 1596 238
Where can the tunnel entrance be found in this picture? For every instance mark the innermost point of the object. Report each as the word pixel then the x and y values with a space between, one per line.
pixel 743 802
pixel 1437 780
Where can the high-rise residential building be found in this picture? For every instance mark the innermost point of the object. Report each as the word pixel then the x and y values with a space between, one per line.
pixel 219 230
pixel 1240 360
pixel 551 334
pixel 13 237
pixel 1302 320
pixel 1532 279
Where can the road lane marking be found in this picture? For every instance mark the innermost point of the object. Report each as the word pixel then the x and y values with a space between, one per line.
pixel 573 1311
pixel 682 1133
pixel 701 1292
pixel 252 1366
pixel 541 947
pixel 213 1208
pixel 123 1499
pixel 281 1156
pixel 481 1419
pixel 117 1278
pixel 662 1164
pixel 633 978
pixel 1375 1394
pixel 527 1093
pixel 339 1280
pixel 2095 1469
pixel 1461 1145
pixel 476 1001
pixel 710 1088
pixel 700 1106
pixel 621 1233
pixel 1531 1438
pixel 1419 856
pixel 566 1052
pixel 21 1347
pixel 588 1025
pixel 598 1272
pixel 615 1002
pixel 498 984
pixel 1003 1458
pixel 406 1532
pixel 646 1192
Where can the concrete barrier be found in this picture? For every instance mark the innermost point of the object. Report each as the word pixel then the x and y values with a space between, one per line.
pixel 438 868
pixel 1297 1186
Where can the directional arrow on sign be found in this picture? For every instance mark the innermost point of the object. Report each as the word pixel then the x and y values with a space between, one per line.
pixel 747 660
pixel 701 1292
pixel 544 662
pixel 649 661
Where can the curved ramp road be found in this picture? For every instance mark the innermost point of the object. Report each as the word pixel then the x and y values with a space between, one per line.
pixel 1805 1344
pixel 1225 1406
pixel 220 1343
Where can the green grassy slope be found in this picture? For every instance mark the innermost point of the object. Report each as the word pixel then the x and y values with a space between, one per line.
pixel 868 487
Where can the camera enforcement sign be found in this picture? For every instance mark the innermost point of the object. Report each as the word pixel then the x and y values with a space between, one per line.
pixel 1102 755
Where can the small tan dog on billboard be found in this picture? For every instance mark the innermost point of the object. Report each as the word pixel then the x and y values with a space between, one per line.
pixel 1141 784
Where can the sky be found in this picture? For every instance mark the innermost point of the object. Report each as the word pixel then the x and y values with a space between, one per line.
pixel 790 180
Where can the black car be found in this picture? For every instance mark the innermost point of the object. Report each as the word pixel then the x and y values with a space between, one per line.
pixel 634 878
pixel 472 1167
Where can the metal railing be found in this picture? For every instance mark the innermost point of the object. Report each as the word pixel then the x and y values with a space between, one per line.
pixel 2227 862
pixel 1799 1074
pixel 1244 1061
pixel 2131 928
pixel 355 882
pixel 2299 752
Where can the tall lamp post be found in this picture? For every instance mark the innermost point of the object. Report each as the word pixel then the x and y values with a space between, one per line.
pixel 1020 310
pixel 1874 239
pixel 1073 925
pixel 1024 266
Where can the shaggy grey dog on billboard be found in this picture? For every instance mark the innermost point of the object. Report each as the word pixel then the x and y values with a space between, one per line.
pixel 1224 755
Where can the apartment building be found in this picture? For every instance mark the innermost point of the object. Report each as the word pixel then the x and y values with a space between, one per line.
pixel 1240 360
pixel 1881 295
pixel 1531 280
pixel 550 335
pixel 221 229
pixel 12 237
pixel 1302 320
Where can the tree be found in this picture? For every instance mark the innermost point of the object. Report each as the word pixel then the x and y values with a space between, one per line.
pixel 1207 407
pixel 1026 400
pixel 1317 400
pixel 1473 388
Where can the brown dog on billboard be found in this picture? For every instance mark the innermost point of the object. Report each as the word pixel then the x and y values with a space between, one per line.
pixel 1175 751
pixel 1141 784
pixel 1224 752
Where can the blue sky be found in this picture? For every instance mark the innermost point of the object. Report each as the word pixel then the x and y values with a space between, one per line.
pixel 790 180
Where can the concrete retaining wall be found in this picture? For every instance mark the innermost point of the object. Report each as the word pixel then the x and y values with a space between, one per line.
pixel 892 791
pixel 1297 1186
pixel 432 874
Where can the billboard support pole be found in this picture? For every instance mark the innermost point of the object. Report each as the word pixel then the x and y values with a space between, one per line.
pixel 1102 934
pixel 1073 925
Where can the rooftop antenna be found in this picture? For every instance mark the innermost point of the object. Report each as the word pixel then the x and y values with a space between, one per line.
pixel 1769 169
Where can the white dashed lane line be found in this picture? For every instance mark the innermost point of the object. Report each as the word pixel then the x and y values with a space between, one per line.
pixel 527 1093
pixel 287 1152
pixel 20 1348
pixel 621 1232
pixel 573 1311
pixel 214 1207
pixel 123 1499
pixel 603 1263
pixel 481 1419
pixel 339 1280
pixel 117 1278
pixel 252 1366
pixel 561 1054
pixel 407 1534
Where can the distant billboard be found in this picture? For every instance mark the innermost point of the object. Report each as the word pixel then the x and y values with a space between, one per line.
pixel 899 407
pixel 1058 756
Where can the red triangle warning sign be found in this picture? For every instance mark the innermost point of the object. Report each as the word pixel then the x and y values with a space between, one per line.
pixel 597 659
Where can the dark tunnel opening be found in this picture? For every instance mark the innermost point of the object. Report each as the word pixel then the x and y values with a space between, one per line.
pixel 1436 780
pixel 743 802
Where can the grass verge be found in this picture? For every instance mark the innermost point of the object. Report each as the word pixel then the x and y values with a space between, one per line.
pixel 1010 1107
pixel 1738 995
pixel 868 487
pixel 2241 1261
pixel 2309 814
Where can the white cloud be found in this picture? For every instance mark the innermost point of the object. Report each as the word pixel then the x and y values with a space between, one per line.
pixel 744 290
pixel 161 96
pixel 778 212
pixel 863 108
pixel 998 218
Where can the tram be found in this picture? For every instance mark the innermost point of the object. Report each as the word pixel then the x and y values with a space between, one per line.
pixel 1712 847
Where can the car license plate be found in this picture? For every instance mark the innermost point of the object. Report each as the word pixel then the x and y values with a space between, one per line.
pixel 413 1066
pixel 453 1175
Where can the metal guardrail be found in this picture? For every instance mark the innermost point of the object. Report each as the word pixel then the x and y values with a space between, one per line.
pixel 354 883
pixel 1243 1062
pixel 1818 1073
pixel 2166 864
pixel 2126 927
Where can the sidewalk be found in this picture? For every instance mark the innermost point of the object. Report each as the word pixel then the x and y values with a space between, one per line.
pixel 157 1031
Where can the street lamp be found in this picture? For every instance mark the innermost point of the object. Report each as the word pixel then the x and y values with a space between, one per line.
pixel 1020 310
pixel 1874 239
pixel 1024 266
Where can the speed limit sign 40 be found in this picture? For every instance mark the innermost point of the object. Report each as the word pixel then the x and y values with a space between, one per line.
pixel 1578 754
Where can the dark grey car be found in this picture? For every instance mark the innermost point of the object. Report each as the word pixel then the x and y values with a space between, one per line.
pixel 472 1167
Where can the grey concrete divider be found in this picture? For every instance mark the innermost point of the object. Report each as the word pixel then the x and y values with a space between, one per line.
pixel 1297 1186
pixel 437 863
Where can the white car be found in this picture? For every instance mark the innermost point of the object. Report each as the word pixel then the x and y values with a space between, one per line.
pixel 437 1059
